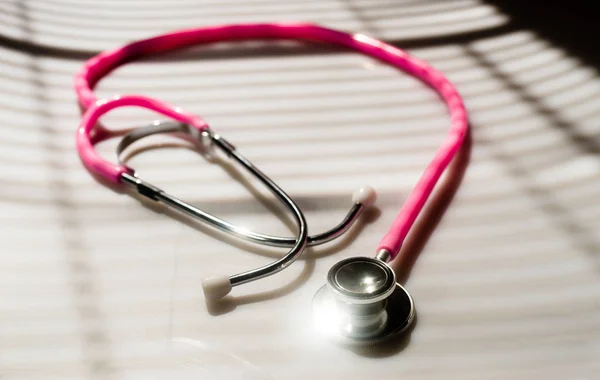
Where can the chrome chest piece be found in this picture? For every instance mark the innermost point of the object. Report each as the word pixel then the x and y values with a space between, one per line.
pixel 362 304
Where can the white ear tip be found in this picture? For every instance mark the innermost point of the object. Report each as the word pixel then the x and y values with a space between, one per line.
pixel 365 196
pixel 216 287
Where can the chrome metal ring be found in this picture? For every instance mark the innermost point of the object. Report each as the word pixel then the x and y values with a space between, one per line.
pixel 361 280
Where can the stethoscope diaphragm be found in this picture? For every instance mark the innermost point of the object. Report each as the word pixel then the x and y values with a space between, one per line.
pixel 362 304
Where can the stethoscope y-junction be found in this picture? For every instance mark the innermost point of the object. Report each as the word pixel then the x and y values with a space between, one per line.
pixel 361 303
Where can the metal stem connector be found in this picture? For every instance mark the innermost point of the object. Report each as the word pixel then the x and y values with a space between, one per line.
pixel 383 255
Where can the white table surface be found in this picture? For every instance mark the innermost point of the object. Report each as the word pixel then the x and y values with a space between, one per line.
pixel 95 286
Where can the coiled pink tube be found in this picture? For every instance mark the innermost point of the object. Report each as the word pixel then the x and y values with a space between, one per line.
pixel 100 65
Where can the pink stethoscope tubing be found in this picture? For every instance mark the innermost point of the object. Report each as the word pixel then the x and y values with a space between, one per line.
pixel 89 133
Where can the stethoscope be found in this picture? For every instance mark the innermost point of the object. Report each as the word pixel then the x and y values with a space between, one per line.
pixel 361 303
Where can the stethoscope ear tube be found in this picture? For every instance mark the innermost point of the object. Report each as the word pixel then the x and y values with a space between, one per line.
pixel 214 287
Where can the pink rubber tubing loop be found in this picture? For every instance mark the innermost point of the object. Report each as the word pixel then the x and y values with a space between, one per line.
pixel 85 141
pixel 100 65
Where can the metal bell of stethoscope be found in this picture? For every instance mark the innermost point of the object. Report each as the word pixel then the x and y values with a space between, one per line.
pixel 362 304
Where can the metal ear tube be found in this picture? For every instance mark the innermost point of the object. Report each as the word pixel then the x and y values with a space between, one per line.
pixel 216 287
